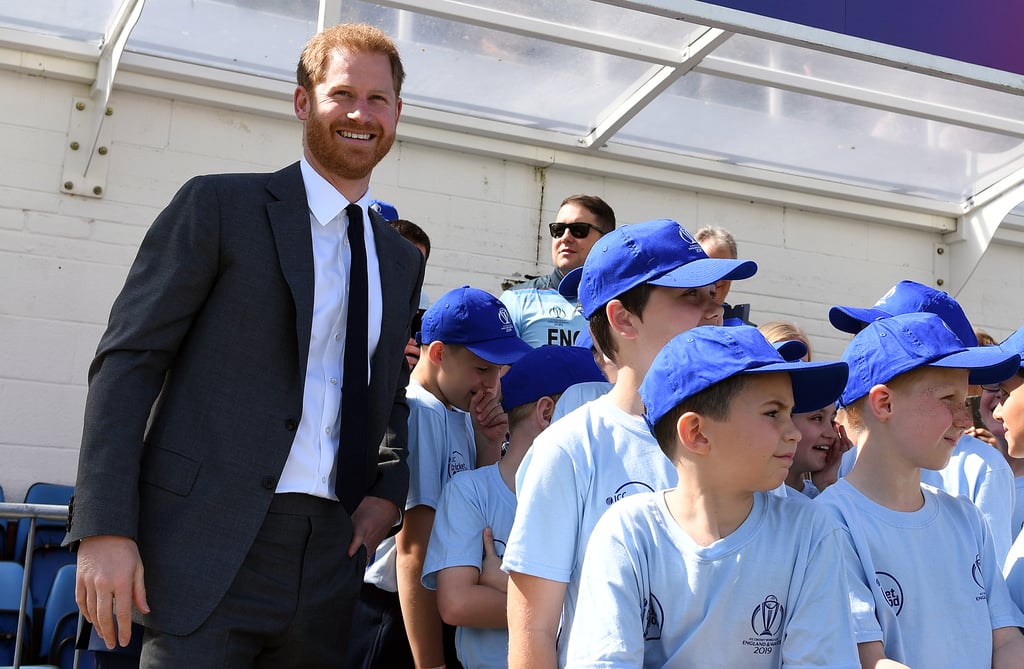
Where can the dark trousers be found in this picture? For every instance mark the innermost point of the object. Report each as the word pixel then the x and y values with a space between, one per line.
pixel 289 607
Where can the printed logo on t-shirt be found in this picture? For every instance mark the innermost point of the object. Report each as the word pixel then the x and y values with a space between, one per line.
pixel 456 463
pixel 766 624
pixel 979 578
pixel 556 312
pixel 891 590
pixel 499 547
pixel 560 337
pixel 626 489
pixel 653 615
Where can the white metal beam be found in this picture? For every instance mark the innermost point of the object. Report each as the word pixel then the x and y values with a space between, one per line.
pixel 648 89
pixel 976 228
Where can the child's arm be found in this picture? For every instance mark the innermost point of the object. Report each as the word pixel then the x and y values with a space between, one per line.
pixel 491 574
pixel 1007 648
pixel 419 605
pixel 872 656
pixel 464 602
pixel 534 611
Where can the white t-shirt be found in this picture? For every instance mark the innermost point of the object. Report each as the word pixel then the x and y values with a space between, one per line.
pixel 469 503
pixel 441 444
pixel 929 585
pixel 575 470
pixel 771 594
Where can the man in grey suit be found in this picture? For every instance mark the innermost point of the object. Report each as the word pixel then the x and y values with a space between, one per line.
pixel 245 428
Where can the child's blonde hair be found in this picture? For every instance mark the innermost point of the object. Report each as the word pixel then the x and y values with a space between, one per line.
pixel 776 331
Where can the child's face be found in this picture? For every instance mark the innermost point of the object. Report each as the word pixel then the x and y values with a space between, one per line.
pixel 1010 412
pixel 462 374
pixel 929 414
pixel 755 444
pixel 818 436
pixel 670 311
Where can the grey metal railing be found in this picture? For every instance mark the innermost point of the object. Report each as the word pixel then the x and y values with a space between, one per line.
pixel 32 513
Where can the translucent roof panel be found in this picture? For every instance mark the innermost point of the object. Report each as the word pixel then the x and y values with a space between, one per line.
pixel 831 67
pixel 754 125
pixel 73 19
pixel 601 18
pixel 261 37
pixel 499 76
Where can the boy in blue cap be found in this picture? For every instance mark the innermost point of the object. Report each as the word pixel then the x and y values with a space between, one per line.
pixel 455 424
pixel 1009 411
pixel 640 286
pixel 718 571
pixel 471 588
pixel 927 591
pixel 975 469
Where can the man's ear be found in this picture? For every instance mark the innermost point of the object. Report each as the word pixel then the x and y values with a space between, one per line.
pixel 621 320
pixel 880 402
pixel 301 101
pixel 690 432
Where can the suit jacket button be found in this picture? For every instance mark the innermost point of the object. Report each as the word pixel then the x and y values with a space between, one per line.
pixel 269 482
pixel 290 425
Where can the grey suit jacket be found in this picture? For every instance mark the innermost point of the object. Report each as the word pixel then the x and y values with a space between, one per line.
pixel 196 389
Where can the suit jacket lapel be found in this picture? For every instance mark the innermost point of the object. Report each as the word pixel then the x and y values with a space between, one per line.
pixel 393 288
pixel 289 220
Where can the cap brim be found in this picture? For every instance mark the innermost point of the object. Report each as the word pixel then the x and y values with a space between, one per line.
pixel 569 286
pixel 987 364
pixel 504 351
pixel 815 384
pixel 791 349
pixel 853 319
pixel 704 272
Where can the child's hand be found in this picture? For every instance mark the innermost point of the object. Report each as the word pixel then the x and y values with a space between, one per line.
pixel 491 574
pixel 830 474
pixel 983 434
pixel 490 423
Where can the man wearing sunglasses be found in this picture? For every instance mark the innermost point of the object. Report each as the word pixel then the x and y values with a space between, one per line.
pixel 540 314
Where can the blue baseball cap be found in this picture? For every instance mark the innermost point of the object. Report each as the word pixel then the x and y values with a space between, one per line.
pixel 1014 344
pixel 886 348
pixel 907 297
pixel 547 370
pixel 477 320
pixel 385 209
pixel 661 252
pixel 789 349
pixel 584 339
pixel 699 358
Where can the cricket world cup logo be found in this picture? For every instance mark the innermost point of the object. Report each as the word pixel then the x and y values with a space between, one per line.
pixel 767 617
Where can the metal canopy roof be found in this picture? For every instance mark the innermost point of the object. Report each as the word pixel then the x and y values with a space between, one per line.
pixel 670 83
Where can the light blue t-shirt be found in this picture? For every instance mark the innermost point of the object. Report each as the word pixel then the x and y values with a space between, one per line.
pixel 929 585
pixel 772 594
pixel 978 472
pixel 575 470
pixel 1018 507
pixel 577 395
pixel 441 444
pixel 541 314
pixel 469 503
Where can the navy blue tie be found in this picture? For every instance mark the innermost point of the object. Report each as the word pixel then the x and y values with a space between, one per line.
pixel 352 444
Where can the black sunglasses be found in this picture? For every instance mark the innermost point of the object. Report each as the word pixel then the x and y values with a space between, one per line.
pixel 577 230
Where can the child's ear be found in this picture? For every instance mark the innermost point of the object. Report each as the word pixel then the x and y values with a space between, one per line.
pixel 621 320
pixel 435 352
pixel 545 409
pixel 880 402
pixel 690 431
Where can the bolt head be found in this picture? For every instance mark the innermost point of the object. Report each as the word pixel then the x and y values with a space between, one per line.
pixel 80 106
pixel 68 185
pixel 97 190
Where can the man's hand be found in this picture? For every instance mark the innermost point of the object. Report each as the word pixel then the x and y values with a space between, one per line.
pixel 371 522
pixel 109 580
pixel 491 574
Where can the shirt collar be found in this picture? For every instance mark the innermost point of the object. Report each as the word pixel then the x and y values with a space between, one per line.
pixel 324 200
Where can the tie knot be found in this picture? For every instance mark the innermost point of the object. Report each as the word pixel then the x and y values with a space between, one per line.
pixel 355 213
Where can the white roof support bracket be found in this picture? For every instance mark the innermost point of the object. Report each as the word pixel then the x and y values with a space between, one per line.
pixel 88 146
pixel 652 86
pixel 960 251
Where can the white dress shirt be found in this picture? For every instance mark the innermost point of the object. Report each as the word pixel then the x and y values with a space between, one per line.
pixel 310 467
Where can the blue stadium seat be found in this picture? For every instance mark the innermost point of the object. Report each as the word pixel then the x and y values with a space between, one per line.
pixel 12 575
pixel 47 554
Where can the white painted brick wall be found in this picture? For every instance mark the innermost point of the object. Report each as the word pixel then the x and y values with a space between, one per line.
pixel 64 258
